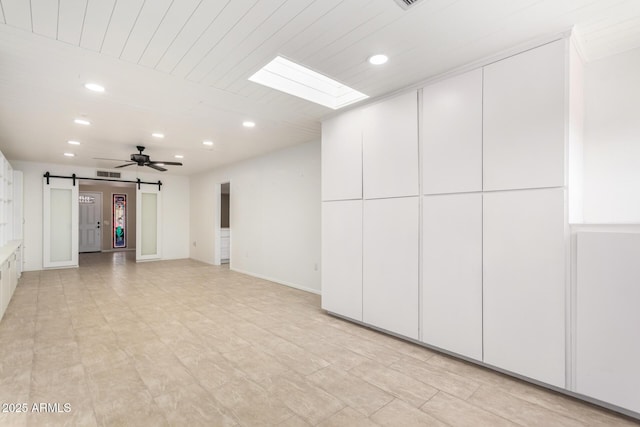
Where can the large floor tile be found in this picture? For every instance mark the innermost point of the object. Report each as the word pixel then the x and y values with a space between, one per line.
pixel 186 343
pixel 395 383
pixel 399 413
pixel 252 404
pixel 310 402
pixel 518 410
pixel 353 391
pixel 459 413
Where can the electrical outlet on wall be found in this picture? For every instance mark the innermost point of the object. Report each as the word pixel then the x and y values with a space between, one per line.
pixel 194 243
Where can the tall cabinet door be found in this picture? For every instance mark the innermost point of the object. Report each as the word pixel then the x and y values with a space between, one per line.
pixel 452 134
pixel 524 120
pixel 524 283
pixel 342 157
pixel 452 273
pixel 390 265
pixel 390 148
pixel 342 258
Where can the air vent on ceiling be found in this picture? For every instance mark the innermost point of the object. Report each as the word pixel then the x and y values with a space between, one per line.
pixel 106 174
pixel 406 4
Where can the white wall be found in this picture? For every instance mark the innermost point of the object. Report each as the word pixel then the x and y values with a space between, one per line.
pixel 175 209
pixel 612 139
pixel 275 215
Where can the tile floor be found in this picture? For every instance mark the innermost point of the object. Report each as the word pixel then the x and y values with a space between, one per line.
pixel 184 343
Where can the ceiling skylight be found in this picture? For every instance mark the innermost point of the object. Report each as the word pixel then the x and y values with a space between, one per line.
pixel 294 79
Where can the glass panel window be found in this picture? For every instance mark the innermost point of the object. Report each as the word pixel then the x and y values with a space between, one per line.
pixel 60 225
pixel 149 224
pixel 119 220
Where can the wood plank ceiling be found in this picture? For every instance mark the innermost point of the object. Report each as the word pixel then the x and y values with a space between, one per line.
pixel 181 66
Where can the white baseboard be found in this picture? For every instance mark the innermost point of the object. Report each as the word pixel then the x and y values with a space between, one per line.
pixel 278 281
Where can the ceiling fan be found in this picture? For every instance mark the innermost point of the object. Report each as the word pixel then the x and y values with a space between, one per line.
pixel 143 160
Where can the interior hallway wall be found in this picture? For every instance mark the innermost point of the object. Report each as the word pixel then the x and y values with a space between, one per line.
pixel 275 215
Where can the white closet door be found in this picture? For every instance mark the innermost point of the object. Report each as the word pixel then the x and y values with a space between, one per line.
pixel 390 147
pixel 60 223
pixel 452 134
pixel 524 120
pixel 608 318
pixel 148 222
pixel 390 261
pixel 342 258
pixel 452 273
pixel 524 283
pixel 342 157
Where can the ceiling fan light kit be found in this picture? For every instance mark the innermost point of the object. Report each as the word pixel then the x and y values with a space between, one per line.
pixel 141 159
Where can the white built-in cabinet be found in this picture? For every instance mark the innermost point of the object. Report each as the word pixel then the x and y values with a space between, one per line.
pixel 465 235
pixel 390 264
pixel 524 254
pixel 452 273
pixel 342 157
pixel 525 118
pixel 390 148
pixel 10 231
pixel 342 258
pixel 370 215
pixel 452 135
pixel 525 228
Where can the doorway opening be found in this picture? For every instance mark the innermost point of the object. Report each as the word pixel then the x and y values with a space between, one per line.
pixel 107 217
pixel 224 224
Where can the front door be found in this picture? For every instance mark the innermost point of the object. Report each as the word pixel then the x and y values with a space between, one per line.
pixel 90 209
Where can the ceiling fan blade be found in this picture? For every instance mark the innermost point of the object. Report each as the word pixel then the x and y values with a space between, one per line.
pixel 115 160
pixel 156 162
pixel 151 165
pixel 125 165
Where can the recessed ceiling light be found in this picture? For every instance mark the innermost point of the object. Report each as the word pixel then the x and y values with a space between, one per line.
pixel 94 87
pixel 378 59
pixel 179 156
pixel 159 164
pixel 209 143
pixel 248 124
pixel 297 80
pixel 73 142
pixel 82 122
pixel 69 154
pixel 157 135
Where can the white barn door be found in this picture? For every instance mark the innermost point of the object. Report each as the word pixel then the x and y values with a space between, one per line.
pixel 60 223
pixel 148 222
